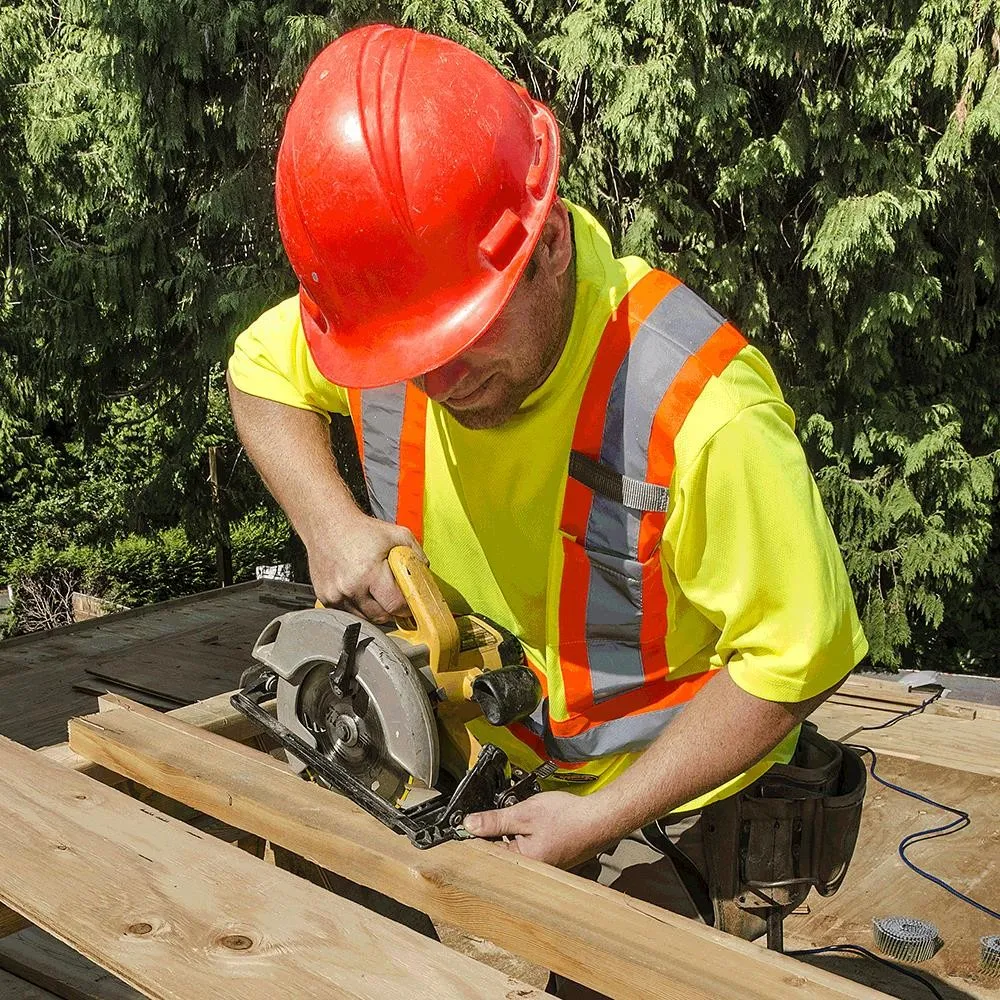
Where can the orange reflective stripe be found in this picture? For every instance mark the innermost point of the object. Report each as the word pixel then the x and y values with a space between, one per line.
pixel 615 342
pixel 616 339
pixel 410 506
pixel 709 360
pixel 651 697
pixel 536 744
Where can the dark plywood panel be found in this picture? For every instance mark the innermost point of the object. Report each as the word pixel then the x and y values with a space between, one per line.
pixel 186 650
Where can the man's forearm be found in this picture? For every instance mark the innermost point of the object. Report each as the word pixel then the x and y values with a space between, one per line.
pixel 290 448
pixel 722 732
pixel 347 549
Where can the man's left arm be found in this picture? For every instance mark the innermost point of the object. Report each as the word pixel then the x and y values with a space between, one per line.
pixel 754 552
pixel 722 732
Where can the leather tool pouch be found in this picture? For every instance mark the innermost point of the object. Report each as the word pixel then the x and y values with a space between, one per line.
pixel 792 830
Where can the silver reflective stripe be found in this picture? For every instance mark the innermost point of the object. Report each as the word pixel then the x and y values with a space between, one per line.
pixel 614 617
pixel 627 735
pixel 382 427
pixel 675 329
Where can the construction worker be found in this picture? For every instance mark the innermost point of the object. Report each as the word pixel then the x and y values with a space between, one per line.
pixel 587 453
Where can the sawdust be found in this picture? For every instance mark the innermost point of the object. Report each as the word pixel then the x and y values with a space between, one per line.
pixel 490 954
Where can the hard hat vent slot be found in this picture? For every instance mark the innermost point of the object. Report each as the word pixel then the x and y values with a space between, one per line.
pixel 504 240
pixel 309 306
pixel 536 181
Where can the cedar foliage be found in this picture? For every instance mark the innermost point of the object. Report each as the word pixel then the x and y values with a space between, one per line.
pixel 824 173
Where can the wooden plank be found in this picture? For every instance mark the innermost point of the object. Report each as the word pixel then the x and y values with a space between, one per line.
pixel 959 743
pixel 11 922
pixel 893 707
pixel 14 988
pixel 42 960
pixel 98 688
pixel 215 715
pixel 190 917
pixel 617 945
pixel 869 687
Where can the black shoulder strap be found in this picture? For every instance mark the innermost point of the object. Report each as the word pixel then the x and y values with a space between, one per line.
pixel 634 493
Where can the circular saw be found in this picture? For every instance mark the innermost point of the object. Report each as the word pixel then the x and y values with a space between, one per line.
pixel 379 715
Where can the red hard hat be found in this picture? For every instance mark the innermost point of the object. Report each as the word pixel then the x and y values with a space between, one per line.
pixel 413 182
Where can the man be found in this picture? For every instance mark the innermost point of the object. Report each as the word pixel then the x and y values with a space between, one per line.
pixel 587 453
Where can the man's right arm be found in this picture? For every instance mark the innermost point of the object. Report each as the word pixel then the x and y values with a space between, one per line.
pixel 290 448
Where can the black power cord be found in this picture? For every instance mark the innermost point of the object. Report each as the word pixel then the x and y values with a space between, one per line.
pixel 856 949
pixel 960 822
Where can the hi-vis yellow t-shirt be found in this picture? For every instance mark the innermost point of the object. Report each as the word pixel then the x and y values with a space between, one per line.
pixel 754 578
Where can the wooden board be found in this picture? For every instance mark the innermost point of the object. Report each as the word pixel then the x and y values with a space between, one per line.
pixel 215 715
pixel 95 686
pixel 620 946
pixel 963 744
pixel 14 988
pixel 42 960
pixel 861 687
pixel 177 914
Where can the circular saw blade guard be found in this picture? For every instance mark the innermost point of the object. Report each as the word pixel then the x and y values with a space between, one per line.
pixel 325 659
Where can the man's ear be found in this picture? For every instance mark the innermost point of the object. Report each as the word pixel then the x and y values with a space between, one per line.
pixel 555 246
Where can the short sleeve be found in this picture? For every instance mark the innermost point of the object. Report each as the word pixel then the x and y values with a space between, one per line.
pixel 271 360
pixel 754 552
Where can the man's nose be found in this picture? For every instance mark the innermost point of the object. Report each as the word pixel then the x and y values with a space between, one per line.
pixel 440 382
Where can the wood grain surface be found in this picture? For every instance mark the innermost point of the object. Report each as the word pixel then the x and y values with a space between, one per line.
pixel 178 914
pixel 620 946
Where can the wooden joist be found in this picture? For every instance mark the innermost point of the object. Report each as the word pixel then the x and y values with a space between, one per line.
pixel 215 715
pixel 175 913
pixel 612 943
pixel 892 696
pixel 959 743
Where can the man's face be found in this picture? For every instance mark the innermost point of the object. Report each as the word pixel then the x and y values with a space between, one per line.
pixel 487 383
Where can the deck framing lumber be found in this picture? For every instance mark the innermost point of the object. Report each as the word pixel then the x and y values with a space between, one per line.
pixel 177 914
pixel 214 715
pixel 612 943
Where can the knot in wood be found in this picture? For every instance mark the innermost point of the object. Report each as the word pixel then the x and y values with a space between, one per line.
pixel 237 942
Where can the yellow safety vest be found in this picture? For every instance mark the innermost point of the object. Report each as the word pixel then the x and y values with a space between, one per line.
pixel 607 683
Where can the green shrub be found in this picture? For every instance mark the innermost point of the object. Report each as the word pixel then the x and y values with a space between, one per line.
pixel 135 570
pixel 259 539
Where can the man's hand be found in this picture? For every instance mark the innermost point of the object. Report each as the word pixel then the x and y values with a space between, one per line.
pixel 348 567
pixel 555 827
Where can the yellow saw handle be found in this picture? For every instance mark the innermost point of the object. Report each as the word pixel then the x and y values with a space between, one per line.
pixel 433 623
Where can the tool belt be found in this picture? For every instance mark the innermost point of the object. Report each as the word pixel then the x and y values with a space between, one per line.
pixel 791 830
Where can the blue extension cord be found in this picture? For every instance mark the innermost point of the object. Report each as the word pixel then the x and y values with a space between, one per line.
pixel 960 822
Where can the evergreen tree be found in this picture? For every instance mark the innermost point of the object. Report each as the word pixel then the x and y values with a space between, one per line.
pixel 825 173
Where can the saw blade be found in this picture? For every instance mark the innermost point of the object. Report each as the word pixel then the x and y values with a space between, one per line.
pixel 348 730
pixel 353 693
